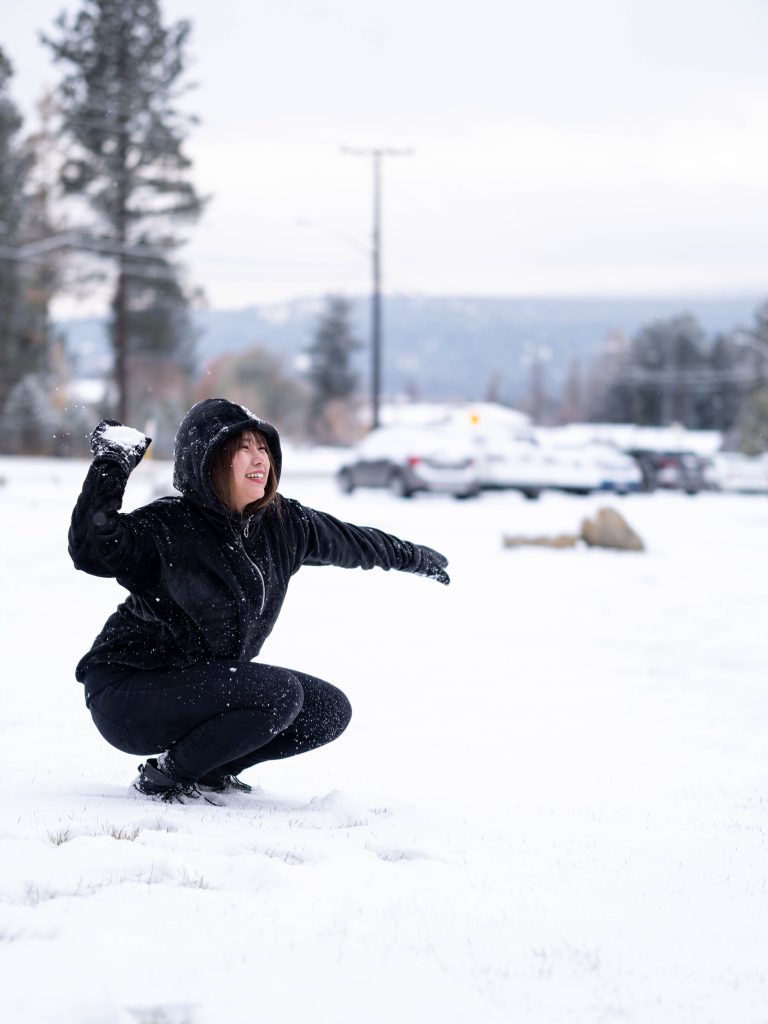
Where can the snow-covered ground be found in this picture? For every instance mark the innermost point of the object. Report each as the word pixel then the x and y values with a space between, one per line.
pixel 551 804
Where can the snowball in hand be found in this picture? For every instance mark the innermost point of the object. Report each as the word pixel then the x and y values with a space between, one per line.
pixel 113 440
pixel 124 437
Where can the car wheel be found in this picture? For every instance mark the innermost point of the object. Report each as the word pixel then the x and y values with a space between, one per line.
pixel 531 494
pixel 346 483
pixel 399 487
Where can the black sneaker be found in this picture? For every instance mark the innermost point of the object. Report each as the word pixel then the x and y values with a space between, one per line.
pixel 153 781
pixel 226 783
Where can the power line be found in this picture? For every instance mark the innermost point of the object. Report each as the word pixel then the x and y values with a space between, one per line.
pixel 140 257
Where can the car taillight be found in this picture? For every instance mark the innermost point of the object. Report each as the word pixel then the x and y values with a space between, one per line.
pixel 414 460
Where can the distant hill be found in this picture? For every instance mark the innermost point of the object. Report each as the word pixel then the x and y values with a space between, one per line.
pixel 440 347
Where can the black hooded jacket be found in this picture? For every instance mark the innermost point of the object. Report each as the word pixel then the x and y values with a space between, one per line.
pixel 205 583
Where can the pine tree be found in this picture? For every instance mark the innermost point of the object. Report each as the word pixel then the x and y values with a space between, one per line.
pixel 751 347
pixel 29 423
pixel 17 356
pixel 754 434
pixel 721 407
pixel 119 108
pixel 331 375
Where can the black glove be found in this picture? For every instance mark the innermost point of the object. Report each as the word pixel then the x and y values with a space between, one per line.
pixel 111 440
pixel 430 563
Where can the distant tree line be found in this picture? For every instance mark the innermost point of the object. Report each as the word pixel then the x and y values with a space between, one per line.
pixel 669 373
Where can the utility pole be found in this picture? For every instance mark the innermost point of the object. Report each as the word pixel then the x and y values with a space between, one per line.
pixel 377 154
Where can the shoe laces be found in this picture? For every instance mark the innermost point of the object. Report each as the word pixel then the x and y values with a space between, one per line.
pixel 181 793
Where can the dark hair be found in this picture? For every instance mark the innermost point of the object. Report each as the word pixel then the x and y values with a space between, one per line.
pixel 221 472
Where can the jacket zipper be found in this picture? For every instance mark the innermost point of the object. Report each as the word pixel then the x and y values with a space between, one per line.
pixel 258 570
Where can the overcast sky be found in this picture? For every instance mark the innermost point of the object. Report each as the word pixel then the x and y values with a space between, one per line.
pixel 557 147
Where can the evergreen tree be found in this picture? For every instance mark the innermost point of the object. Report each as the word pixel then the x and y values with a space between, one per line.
pixel 29 423
pixel 17 354
pixel 119 107
pixel 663 377
pixel 161 341
pixel 754 435
pixel 720 407
pixel 332 377
pixel 750 421
pixel 159 319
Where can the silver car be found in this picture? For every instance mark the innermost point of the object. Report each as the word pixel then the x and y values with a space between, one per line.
pixel 409 460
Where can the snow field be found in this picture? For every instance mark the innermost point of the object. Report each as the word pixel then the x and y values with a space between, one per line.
pixel 551 804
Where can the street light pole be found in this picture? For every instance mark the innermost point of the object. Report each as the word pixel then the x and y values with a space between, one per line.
pixel 376 332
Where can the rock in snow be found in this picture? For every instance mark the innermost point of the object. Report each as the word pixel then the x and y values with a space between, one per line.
pixel 609 529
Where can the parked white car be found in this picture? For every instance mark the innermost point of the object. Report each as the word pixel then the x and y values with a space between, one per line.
pixel 507 462
pixel 581 468
pixel 616 471
pixel 528 465
pixel 747 474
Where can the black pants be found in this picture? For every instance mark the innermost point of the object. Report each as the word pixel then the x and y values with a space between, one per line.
pixel 216 716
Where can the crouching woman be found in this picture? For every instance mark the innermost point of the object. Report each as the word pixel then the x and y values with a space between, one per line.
pixel 171 673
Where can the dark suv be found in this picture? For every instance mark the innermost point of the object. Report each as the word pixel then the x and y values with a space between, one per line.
pixel 678 471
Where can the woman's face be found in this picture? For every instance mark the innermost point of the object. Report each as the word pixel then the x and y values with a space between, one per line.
pixel 250 471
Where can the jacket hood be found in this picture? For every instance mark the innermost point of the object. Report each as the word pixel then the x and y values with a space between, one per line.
pixel 205 427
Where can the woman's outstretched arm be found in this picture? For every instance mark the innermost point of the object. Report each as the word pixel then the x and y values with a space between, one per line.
pixel 324 540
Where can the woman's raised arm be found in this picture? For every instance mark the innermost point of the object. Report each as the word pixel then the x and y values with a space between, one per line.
pixel 101 541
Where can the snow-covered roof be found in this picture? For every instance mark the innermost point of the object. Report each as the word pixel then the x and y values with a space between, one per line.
pixel 454 414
